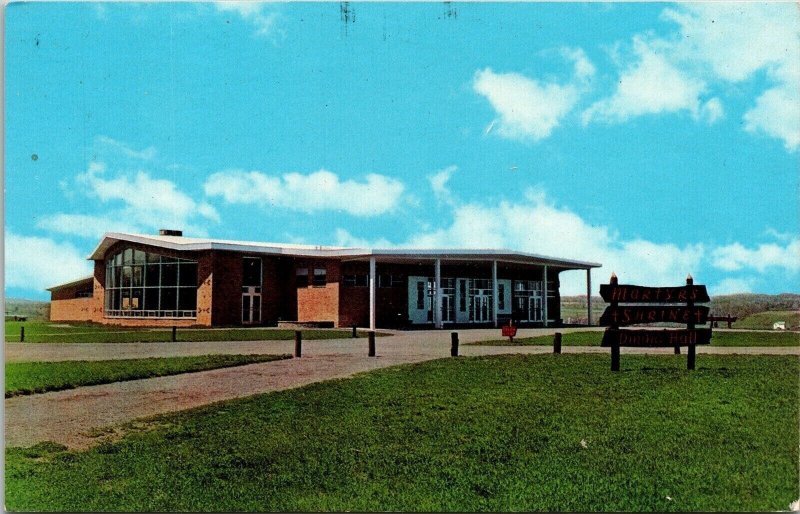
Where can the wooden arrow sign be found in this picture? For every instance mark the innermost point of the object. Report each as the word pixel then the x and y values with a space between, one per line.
pixel 656 338
pixel 621 316
pixel 639 294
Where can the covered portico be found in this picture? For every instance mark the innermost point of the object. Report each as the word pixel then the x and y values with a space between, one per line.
pixel 471 277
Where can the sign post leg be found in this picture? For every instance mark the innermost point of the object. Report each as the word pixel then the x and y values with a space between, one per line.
pixel 690 359
pixel 615 357
pixel 677 350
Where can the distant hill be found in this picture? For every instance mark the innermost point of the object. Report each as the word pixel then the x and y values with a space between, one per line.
pixel 573 308
pixel 33 309
pixel 742 305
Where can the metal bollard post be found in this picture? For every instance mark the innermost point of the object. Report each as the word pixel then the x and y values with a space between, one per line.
pixel 21 334
pixel 557 343
pixel 354 332
pixel 453 344
pixel 371 339
pixel 174 333
pixel 298 343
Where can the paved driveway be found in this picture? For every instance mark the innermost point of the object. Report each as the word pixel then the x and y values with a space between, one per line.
pixel 71 417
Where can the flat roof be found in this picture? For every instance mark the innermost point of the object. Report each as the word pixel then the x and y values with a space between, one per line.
pixel 73 283
pixel 180 243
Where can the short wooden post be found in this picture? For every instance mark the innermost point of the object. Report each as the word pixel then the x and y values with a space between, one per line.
pixel 557 343
pixel 614 326
pixel 677 350
pixel 453 344
pixel 354 332
pixel 21 334
pixel 615 357
pixel 174 333
pixel 690 305
pixel 371 339
pixel 298 343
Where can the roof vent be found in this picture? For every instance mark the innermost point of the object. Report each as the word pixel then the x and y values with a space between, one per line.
pixel 169 232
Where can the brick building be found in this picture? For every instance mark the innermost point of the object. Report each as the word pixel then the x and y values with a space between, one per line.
pixel 170 280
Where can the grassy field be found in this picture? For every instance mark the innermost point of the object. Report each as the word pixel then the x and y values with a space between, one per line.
pixel 764 320
pixel 718 339
pixel 551 432
pixel 46 332
pixel 39 377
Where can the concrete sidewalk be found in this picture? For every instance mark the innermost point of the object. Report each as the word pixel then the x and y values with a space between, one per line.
pixel 70 417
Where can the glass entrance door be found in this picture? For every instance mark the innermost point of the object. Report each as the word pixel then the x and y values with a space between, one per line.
pixel 481 308
pixel 251 306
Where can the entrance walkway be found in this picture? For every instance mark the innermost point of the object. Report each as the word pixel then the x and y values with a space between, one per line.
pixel 71 417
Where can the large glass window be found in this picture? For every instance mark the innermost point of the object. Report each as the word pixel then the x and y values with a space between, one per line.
pixel 149 285
pixel 251 272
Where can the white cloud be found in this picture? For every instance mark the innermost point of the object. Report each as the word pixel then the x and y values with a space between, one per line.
pixel 528 109
pixel 536 225
pixel 252 12
pixel 39 263
pixel 584 69
pixel 736 41
pixel 345 238
pixel 138 203
pixel 317 191
pixel 439 182
pixel 119 147
pixel 777 114
pixel 732 286
pixel 84 225
pixel 712 111
pixel 651 85
pixel 735 257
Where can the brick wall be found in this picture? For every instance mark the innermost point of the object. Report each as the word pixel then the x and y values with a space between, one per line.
pixel 319 303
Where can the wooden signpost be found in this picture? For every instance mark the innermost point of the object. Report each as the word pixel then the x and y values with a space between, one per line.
pixel 663 304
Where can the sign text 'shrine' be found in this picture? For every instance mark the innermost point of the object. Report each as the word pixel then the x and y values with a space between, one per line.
pixel 618 316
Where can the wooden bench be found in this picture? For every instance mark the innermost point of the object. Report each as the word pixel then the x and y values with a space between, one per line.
pixel 714 320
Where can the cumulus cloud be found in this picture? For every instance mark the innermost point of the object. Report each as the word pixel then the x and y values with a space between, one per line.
pixel 439 182
pixel 651 85
pixel 30 264
pixel 536 225
pixel 529 109
pixel 317 191
pixel 252 12
pixel 736 41
pixel 137 202
pixel 736 256
pixel 715 43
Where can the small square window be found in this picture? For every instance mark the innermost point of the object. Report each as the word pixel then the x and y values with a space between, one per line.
pixel 320 276
pixel 301 277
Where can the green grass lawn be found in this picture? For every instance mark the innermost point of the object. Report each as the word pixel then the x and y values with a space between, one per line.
pixel 718 339
pixel 764 320
pixel 47 332
pixel 39 377
pixel 505 433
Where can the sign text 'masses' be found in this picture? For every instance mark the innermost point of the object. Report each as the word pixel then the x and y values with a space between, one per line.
pixel 656 338
pixel 619 316
pixel 640 294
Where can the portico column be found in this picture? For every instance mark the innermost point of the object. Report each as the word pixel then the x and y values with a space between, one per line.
pixel 437 306
pixel 372 298
pixel 589 296
pixel 495 299
pixel 544 301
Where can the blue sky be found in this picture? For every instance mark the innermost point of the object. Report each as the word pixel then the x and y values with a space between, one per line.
pixel 657 139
